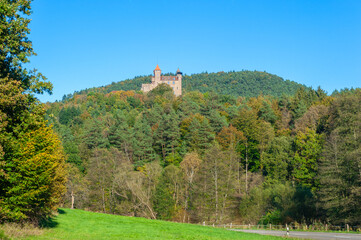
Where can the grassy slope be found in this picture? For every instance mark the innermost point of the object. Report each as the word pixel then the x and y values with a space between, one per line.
pixel 78 224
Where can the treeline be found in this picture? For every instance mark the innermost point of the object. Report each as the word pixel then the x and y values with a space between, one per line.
pixel 242 83
pixel 214 158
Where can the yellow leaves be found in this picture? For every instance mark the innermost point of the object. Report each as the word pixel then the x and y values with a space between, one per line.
pixel 40 162
pixel 11 93
pixel 191 164
pixel 121 94
pixel 229 137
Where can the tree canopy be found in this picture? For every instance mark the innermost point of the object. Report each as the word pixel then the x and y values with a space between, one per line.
pixel 32 166
pixel 211 157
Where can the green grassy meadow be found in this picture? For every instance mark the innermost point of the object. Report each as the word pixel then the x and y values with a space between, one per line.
pixel 79 224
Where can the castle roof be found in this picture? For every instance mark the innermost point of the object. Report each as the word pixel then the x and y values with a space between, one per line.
pixel 157 68
pixel 178 70
pixel 169 78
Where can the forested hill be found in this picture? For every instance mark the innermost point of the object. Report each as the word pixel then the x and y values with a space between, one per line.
pixel 214 158
pixel 242 83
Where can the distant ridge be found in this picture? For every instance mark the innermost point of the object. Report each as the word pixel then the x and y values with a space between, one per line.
pixel 242 83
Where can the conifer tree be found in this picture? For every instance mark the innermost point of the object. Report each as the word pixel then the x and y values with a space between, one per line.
pixel 167 134
pixel 93 135
pixel 217 121
pixel 120 135
pixel 340 168
pixel 169 191
pixel 142 142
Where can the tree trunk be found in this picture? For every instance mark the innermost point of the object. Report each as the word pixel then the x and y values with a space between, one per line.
pixel 216 187
pixel 72 199
pixel 103 199
pixel 246 168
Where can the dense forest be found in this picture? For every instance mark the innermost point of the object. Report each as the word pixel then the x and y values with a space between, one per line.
pixel 243 83
pixel 213 157
pixel 240 147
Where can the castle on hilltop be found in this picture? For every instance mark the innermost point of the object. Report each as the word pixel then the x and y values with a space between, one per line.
pixel 174 82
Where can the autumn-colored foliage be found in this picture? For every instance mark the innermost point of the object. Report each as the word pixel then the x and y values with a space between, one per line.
pixel 35 176
pixel 32 168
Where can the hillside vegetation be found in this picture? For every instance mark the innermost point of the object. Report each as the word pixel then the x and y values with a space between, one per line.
pixel 242 83
pixel 78 224
pixel 214 158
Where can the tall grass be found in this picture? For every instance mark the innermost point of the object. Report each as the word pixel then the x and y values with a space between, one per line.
pixel 16 230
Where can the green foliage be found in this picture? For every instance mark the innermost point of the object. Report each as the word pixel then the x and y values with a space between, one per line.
pixel 266 113
pixel 142 142
pixel 162 90
pixel 35 176
pixel 166 197
pixel 167 134
pixel 278 158
pixel 231 84
pixel 66 115
pixel 174 159
pixel 3 236
pixel 273 216
pixel 278 203
pixel 94 137
pixel 17 48
pixel 244 83
pixel 163 203
pixel 200 135
pixel 248 123
pixel 101 172
pixel 32 167
pixel 308 147
pixel 264 169
pixel 216 183
pixel 340 168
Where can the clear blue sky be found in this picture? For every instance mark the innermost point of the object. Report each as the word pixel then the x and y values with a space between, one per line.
pixel 87 43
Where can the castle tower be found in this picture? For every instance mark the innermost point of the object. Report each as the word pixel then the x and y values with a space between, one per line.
pixel 157 72
pixel 178 87
pixel 179 75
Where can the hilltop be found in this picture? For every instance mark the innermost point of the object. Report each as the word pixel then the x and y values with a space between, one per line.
pixel 242 83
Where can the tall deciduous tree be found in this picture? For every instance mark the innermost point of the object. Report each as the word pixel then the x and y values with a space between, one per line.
pixel 190 166
pixel 31 158
pixel 278 159
pixel 17 48
pixel 102 170
pixel 308 147
pixel 216 183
